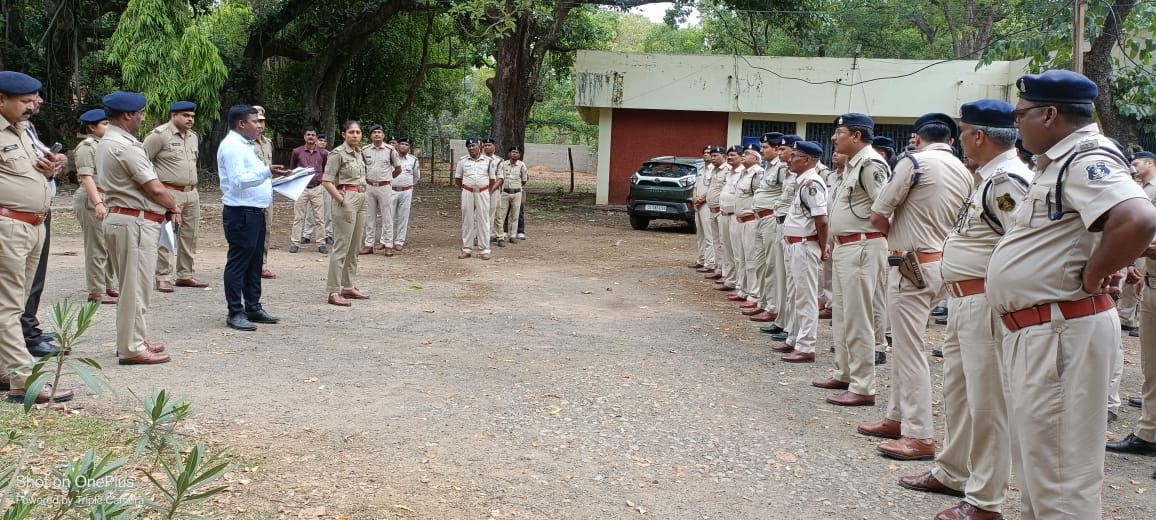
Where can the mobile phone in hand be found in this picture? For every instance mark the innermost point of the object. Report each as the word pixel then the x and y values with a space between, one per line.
pixel 56 148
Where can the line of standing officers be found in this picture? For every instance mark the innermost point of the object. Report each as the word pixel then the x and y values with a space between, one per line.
pixel 1030 257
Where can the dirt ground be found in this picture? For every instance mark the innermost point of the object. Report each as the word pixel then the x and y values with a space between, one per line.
pixel 584 373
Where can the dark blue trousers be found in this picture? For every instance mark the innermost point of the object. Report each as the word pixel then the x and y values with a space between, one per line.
pixel 245 233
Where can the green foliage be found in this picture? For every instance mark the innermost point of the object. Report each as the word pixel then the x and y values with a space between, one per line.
pixel 71 322
pixel 187 481
pixel 86 480
pixel 168 55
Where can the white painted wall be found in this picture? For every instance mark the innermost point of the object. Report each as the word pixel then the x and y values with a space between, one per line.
pixel 552 156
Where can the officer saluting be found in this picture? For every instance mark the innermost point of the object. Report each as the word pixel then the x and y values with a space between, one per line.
pixel 1083 220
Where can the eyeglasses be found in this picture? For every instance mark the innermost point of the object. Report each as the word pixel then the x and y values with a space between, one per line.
pixel 1019 113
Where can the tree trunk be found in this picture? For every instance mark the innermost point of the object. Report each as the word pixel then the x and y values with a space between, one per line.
pixel 1098 68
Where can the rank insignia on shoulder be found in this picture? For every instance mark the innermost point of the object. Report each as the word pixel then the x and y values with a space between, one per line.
pixel 880 177
pixel 1005 202
pixel 1098 171
pixel 10 147
pixel 813 190
pixel 1087 144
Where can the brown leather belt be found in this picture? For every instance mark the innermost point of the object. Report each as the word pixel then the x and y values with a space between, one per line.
pixel 1070 310
pixel 351 187
pixel 715 210
pixel 511 192
pixel 377 183
pixel 764 213
pixel 796 240
pixel 402 188
pixel 856 237
pixel 476 190
pixel 28 218
pixel 155 217
pixel 725 214
pixel 747 218
pixel 966 287
pixel 178 187
pixel 923 258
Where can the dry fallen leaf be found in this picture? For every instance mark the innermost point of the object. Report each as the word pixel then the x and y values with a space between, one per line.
pixel 786 457
pixel 555 410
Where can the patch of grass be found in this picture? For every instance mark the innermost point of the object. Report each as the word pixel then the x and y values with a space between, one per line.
pixel 70 433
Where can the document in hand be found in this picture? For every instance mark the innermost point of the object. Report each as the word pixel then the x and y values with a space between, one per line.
pixel 292 185
pixel 168 239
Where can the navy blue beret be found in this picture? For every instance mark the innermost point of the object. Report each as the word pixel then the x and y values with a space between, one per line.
pixel 376 127
pixel 789 140
pixel 988 112
pixel 183 106
pixel 514 148
pixel 16 83
pixel 771 137
pixel 940 118
pixel 472 140
pixel 392 139
pixel 1057 86
pixel 736 148
pixel 323 136
pixel 122 101
pixel 855 119
pixel 715 149
pixel 403 140
pixel 809 147
pixel 752 147
pixel 884 142
pixel 95 115
pixel 1144 155
pixel 489 140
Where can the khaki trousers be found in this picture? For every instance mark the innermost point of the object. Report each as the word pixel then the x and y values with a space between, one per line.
pixel 19 256
pixel 741 242
pixel 476 217
pixel 752 285
pixel 348 231
pixel 497 218
pixel 1057 383
pixel 721 260
pixel 1146 426
pixel 770 234
pixel 326 201
pixel 1128 307
pixel 857 269
pixel 730 272
pixel 400 202
pixel 907 310
pixel 380 212
pixel 311 200
pixel 98 275
pixel 190 204
pixel 825 282
pixel 702 233
pixel 132 241
pixel 976 450
pixel 803 294
pixel 781 272
pixel 511 204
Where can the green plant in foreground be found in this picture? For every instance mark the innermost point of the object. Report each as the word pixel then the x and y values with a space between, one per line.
pixel 71 322
pixel 186 482
pixel 162 413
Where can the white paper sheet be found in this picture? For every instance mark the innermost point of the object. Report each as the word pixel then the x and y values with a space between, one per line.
pixel 168 239
pixel 293 185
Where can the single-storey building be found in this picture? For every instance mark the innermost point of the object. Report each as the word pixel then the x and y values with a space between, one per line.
pixel 646 105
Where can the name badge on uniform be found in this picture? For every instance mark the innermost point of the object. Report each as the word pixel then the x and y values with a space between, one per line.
pixel 10 147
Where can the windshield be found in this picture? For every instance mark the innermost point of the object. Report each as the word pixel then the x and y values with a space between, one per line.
pixel 667 170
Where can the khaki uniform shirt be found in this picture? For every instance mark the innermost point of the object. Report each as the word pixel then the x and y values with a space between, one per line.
pixel 770 187
pixel 22 188
pixel 831 178
pixel 124 168
pixel 787 180
pixel 513 175
pixel 474 173
pixel 345 166
pixel 702 182
pixel 410 172
pixel 718 178
pixel 264 149
pixel 864 176
pixel 922 215
pixel 969 245
pixel 1039 260
pixel 380 162
pixel 1147 264
pixel 85 157
pixel 726 198
pixel 810 201
pixel 174 157
pixel 745 186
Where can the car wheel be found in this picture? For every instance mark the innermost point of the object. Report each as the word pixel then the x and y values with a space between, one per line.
pixel 638 222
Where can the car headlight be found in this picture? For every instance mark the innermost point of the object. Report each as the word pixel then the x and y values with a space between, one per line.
pixel 634 178
pixel 686 182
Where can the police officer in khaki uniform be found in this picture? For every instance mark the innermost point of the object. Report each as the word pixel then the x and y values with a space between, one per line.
pixel 726 219
pixel 88 203
pixel 718 160
pixel 475 176
pixel 916 210
pixel 383 164
pixel 402 197
pixel 24 203
pixel 345 181
pixel 857 262
pixel 172 148
pixel 975 461
pixel 744 227
pixel 264 148
pixel 511 174
pixel 1129 304
pixel 781 325
pixel 138 205
pixel 767 231
pixel 805 233
pixel 705 260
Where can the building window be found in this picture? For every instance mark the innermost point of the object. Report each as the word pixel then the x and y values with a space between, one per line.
pixel 753 129
pixel 898 133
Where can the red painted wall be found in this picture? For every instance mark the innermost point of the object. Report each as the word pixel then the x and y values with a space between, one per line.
pixel 638 135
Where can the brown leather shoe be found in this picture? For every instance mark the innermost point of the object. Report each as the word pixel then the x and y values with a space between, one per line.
pixel 62 395
pixel 399 248
pixel 906 448
pixel 267 274
pixel 704 269
pixel 191 282
pixel 165 286
pixel 750 311
pixel 485 256
pixel 927 483
pixel 723 287
pixel 886 428
pixel 354 293
pixel 104 299
pixel 799 357
pixel 5 383
pixel 388 251
pixel 830 383
pixel 965 511
pixel 825 314
pixel 749 305
pixel 463 254
pixel 715 276
pixel 112 292
pixel 736 298
pixel 155 348
pixel 365 250
pixel 695 265
pixel 378 247
pixel 764 317
pixel 148 357
pixel 783 347
pixel 850 398
pixel 336 299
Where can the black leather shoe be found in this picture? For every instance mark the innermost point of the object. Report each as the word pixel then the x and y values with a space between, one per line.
pixel 1126 328
pixel 937 352
pixel 261 316
pixel 240 322
pixel 941 321
pixel 1132 444
pixel 939 310
pixel 782 336
pixel 1135 333
pixel 305 240
pixel 501 243
pixel 43 347
pixel 771 329
pixel 1112 417
pixel 880 358
pixel 1135 401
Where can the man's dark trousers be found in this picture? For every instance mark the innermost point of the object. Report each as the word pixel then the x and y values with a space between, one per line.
pixel 245 233
pixel 32 333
